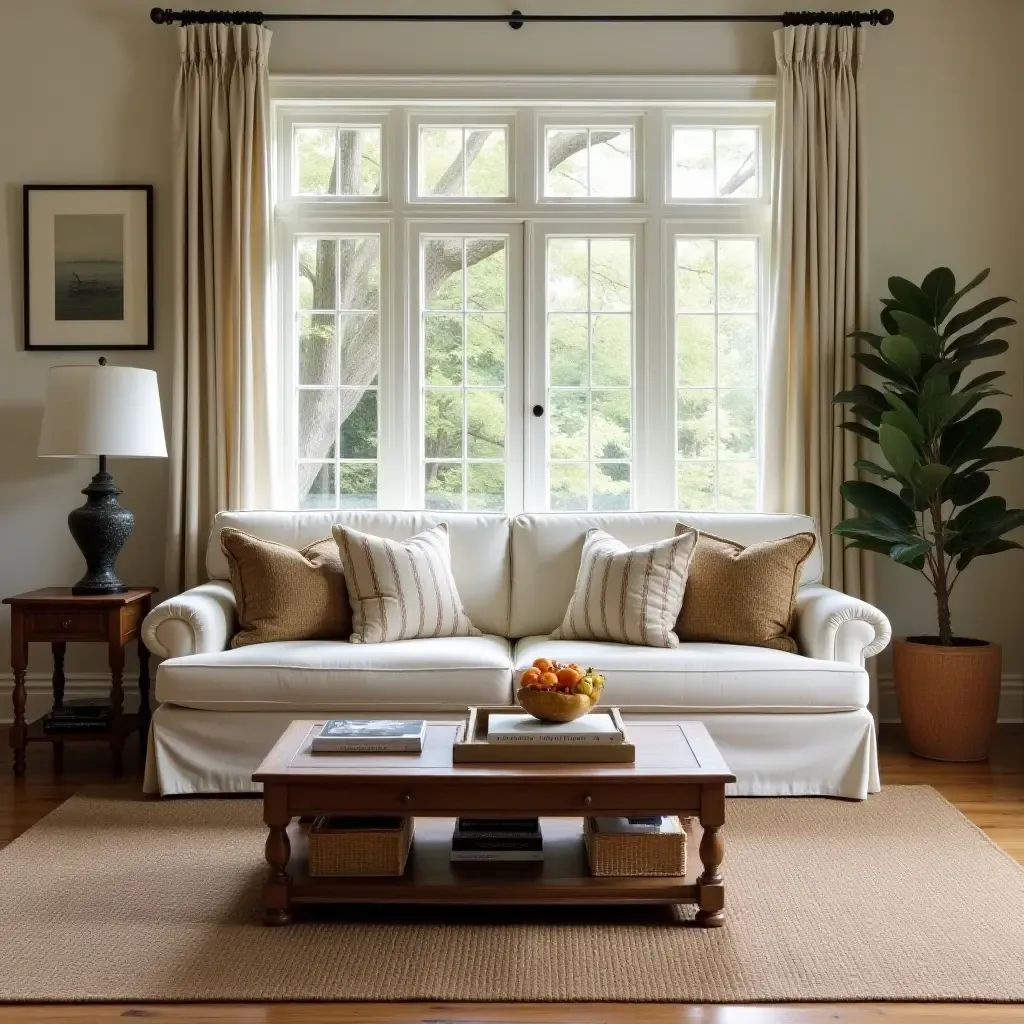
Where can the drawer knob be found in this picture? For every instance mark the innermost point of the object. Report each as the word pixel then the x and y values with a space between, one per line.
pixel 65 624
pixel 407 799
pixel 588 800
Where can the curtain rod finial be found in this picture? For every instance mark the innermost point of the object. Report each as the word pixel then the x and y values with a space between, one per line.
pixel 886 16
pixel 161 15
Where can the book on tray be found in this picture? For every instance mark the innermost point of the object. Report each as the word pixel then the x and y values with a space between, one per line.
pixel 497 839
pixel 356 736
pixel 593 728
pixel 80 715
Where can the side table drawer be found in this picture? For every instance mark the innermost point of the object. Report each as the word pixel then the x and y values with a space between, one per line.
pixel 66 625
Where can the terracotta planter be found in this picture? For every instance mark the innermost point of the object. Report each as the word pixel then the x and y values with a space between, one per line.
pixel 948 696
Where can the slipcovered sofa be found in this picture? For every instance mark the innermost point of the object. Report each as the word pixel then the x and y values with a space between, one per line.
pixel 787 724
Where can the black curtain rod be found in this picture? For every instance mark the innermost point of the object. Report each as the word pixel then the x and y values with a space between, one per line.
pixel 167 16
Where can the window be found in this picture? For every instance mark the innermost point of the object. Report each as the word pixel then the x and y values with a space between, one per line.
pixel 552 304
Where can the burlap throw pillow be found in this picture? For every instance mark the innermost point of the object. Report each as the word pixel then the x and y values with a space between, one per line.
pixel 284 594
pixel 628 595
pixel 400 590
pixel 743 595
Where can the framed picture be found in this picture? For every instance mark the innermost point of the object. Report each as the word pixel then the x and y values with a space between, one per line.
pixel 88 266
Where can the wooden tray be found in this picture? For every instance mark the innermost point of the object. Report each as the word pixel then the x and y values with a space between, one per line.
pixel 471 744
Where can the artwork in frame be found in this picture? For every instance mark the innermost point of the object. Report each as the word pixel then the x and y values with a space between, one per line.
pixel 88 266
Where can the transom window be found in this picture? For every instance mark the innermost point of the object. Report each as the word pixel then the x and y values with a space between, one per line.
pixel 502 307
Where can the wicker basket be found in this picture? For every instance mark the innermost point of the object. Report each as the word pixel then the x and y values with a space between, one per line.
pixel 358 851
pixel 637 854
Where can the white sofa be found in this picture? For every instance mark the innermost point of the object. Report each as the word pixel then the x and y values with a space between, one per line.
pixel 787 724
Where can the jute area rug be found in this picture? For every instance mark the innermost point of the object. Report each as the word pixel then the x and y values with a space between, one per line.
pixel 896 898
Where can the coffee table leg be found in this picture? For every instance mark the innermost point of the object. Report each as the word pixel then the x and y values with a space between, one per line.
pixel 711 884
pixel 278 849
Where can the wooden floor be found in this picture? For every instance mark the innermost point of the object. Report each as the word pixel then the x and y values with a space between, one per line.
pixel 991 794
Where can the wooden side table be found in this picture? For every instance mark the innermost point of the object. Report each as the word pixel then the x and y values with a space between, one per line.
pixel 54 615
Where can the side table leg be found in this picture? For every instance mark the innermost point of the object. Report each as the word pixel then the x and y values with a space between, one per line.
pixel 116 653
pixel 59 649
pixel 711 884
pixel 144 712
pixel 277 887
pixel 19 663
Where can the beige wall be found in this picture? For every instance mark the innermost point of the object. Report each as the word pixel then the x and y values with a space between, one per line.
pixel 85 89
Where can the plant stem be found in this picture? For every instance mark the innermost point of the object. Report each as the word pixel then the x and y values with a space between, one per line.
pixel 941 578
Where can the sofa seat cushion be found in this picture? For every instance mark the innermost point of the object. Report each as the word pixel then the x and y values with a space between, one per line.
pixel 696 677
pixel 443 674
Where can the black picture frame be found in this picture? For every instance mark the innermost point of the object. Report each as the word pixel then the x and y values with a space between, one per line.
pixel 30 286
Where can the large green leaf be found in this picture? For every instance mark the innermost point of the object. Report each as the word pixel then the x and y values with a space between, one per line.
pixel 868 337
pixel 862 394
pixel 981 515
pixel 919 331
pixel 889 322
pixel 963 488
pixel 964 441
pixel 957 296
pixel 868 528
pixel 911 554
pixel 867 466
pixel 930 478
pixel 992 547
pixel 995 453
pixel 884 505
pixel 865 412
pixel 910 297
pixel 984 349
pixel 903 419
pixel 903 353
pixel 962 320
pixel 997 323
pixel 982 379
pixel 899 451
pixel 939 285
pixel 862 429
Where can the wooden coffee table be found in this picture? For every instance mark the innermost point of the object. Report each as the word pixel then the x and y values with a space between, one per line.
pixel 678 770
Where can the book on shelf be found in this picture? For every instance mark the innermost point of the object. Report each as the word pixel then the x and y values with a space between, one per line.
pixel 357 736
pixel 592 728
pixel 636 826
pixel 498 826
pixel 92 725
pixel 495 856
pixel 497 843
pixel 340 823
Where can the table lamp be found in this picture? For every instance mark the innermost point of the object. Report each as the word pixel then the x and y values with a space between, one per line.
pixel 106 412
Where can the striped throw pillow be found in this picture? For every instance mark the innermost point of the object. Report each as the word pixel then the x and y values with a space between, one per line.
pixel 401 590
pixel 628 595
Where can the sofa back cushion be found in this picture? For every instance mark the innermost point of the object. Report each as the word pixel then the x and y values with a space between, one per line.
pixel 546 550
pixel 479 548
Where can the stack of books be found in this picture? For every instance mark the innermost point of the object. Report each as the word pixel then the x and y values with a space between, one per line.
pixel 86 714
pixel 590 729
pixel 497 839
pixel 373 736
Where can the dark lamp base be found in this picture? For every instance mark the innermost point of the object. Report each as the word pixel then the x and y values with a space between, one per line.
pixel 100 528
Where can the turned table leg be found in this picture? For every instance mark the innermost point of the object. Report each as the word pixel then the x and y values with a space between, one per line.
pixel 711 884
pixel 116 653
pixel 144 711
pixel 278 849
pixel 59 649
pixel 19 663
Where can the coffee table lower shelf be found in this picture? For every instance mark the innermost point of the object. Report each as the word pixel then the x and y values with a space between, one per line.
pixel 430 877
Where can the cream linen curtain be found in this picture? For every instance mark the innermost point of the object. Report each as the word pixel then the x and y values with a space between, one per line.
pixel 221 414
pixel 819 284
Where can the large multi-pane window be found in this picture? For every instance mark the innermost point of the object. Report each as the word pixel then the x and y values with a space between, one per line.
pixel 490 305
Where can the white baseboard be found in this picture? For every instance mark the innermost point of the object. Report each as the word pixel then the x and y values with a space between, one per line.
pixel 96 684
pixel 1011 701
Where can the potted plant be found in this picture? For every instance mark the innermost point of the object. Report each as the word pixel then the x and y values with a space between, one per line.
pixel 931 509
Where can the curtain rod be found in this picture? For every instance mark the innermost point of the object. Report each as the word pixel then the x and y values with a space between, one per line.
pixel 167 16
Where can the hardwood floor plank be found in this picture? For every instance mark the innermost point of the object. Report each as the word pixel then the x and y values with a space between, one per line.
pixel 990 793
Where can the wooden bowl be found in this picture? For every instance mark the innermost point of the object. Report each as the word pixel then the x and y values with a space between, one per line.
pixel 552 706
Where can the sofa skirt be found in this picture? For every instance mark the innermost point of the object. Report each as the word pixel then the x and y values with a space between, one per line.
pixel 200 753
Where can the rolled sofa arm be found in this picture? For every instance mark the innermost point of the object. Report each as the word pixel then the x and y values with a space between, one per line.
pixel 200 621
pixel 833 626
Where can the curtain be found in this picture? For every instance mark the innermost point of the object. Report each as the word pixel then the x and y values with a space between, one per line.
pixel 221 418
pixel 819 284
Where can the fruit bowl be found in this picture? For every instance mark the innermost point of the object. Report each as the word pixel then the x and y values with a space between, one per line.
pixel 554 692
pixel 552 706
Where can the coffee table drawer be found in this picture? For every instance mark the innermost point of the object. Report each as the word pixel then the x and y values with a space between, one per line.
pixel 66 624
pixel 497 797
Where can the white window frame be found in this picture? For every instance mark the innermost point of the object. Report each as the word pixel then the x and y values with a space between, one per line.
pixel 526 103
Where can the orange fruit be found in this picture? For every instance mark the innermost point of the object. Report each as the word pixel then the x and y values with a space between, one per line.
pixel 568 676
pixel 544 664
pixel 548 680
pixel 531 675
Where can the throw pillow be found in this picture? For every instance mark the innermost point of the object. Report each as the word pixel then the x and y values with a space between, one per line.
pixel 743 595
pixel 400 590
pixel 628 595
pixel 284 594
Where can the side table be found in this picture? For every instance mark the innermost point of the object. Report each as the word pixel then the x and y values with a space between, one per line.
pixel 54 615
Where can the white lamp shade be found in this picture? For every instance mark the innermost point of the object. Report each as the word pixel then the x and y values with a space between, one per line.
pixel 102 410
